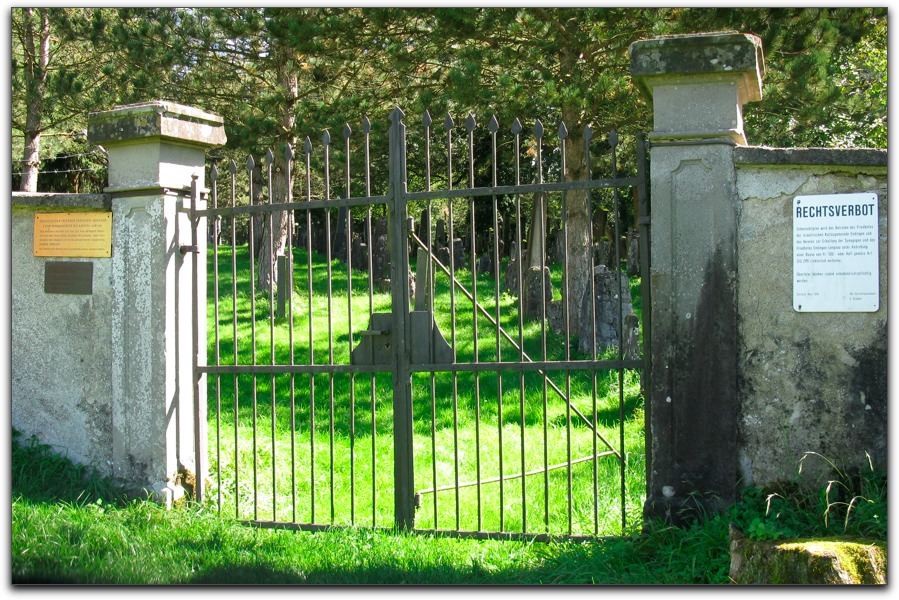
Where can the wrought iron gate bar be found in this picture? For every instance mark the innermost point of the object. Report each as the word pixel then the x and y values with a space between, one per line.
pixel 446 488
pixel 484 367
pixel 227 211
pixel 478 427
pixel 450 533
pixel 566 396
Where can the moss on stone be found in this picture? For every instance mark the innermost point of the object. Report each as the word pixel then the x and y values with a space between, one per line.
pixel 808 561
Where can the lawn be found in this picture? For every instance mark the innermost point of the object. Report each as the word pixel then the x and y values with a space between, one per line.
pixel 318 447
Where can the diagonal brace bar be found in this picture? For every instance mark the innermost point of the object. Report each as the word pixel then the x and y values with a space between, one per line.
pixel 508 338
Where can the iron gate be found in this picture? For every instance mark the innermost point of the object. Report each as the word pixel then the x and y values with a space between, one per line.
pixel 348 391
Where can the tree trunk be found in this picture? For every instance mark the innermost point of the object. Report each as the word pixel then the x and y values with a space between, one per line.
pixel 37 59
pixel 577 221
pixel 276 229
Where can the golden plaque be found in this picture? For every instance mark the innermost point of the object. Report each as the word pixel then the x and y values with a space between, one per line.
pixel 75 235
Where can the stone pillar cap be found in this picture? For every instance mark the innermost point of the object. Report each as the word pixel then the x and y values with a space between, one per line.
pixel 703 55
pixel 157 119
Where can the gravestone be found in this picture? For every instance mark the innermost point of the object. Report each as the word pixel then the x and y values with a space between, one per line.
pixel 360 254
pixel 440 239
pixel 537 292
pixel 459 254
pixel 443 255
pixel 380 252
pixel 608 321
pixel 485 265
pixel 633 253
pixel 604 254
pixel 338 243
pixel 511 279
pixel 424 227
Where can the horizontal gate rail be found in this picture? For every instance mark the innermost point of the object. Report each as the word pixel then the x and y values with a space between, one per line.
pixel 507 367
pixel 525 188
pixel 257 209
pixel 447 488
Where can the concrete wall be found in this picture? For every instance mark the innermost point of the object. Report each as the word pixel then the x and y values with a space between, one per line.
pixel 61 348
pixel 742 385
pixel 106 375
pixel 808 382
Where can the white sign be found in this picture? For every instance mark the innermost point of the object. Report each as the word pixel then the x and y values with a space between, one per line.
pixel 836 265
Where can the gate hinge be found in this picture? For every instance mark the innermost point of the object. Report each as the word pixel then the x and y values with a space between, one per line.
pixel 644 221
pixel 186 249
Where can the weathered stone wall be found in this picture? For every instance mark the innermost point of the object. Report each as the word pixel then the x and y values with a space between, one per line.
pixel 61 343
pixel 808 382
pixel 105 375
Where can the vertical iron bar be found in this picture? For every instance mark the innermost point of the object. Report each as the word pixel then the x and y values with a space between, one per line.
pixel 326 142
pixel 288 158
pixel 307 148
pixel 588 135
pixel 213 176
pixel 426 121
pixel 493 126
pixel 232 168
pixel 516 130
pixel 566 277
pixel 645 224
pixel 269 159
pixel 613 142
pixel 349 284
pixel 473 264
pixel 199 489
pixel 540 214
pixel 366 129
pixel 448 125
pixel 251 164
pixel 404 490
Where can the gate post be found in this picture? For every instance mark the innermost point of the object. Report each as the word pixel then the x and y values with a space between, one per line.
pixel 155 149
pixel 698 85
pixel 398 236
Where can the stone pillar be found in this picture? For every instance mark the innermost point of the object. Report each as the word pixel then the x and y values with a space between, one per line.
pixel 698 85
pixel 156 149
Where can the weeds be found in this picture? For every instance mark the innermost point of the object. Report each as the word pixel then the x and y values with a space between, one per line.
pixel 853 505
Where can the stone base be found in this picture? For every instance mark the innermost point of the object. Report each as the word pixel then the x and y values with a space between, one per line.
pixel 806 562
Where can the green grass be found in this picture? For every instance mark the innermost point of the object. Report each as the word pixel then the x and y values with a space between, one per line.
pixel 319 449
pixel 70 526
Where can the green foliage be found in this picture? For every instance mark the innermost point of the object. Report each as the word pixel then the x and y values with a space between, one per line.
pixel 849 505
pixel 41 473
pixel 96 540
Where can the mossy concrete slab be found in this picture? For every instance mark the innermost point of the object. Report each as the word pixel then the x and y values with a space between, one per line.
pixel 807 562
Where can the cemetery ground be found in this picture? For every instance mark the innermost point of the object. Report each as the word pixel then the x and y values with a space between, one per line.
pixel 335 464
pixel 71 526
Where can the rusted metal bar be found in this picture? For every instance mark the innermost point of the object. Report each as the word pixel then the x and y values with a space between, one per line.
pixel 251 164
pixel 523 474
pixel 366 130
pixel 516 132
pixel 288 164
pixel 196 376
pixel 470 126
pixel 348 237
pixel 404 474
pixel 232 168
pixel 326 143
pixel 508 338
pixel 307 149
pixel 269 161
pixel 213 178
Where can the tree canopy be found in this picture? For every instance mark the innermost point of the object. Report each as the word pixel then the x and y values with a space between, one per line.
pixel 279 74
